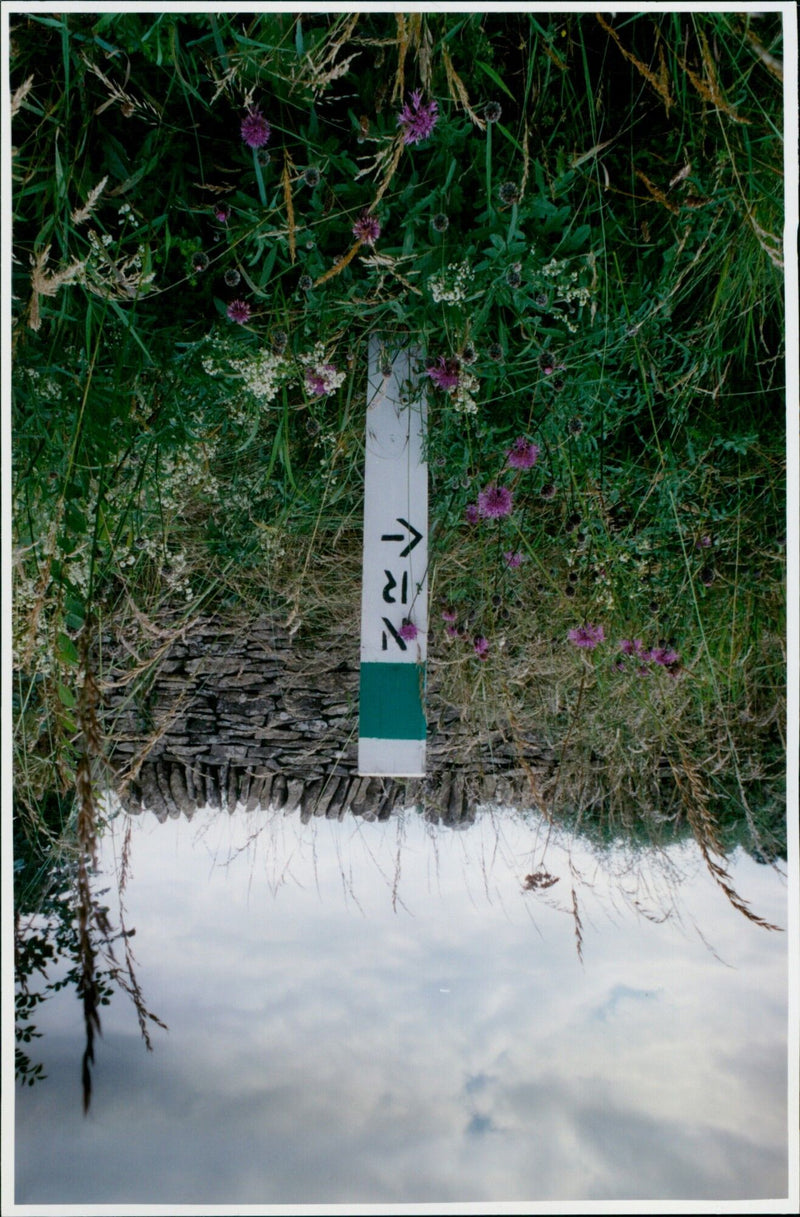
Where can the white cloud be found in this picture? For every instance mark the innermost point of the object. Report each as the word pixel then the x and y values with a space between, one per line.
pixel 324 1047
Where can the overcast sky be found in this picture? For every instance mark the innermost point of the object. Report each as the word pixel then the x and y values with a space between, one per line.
pixel 324 1046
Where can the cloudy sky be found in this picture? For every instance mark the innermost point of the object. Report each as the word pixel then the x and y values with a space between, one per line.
pixel 378 1013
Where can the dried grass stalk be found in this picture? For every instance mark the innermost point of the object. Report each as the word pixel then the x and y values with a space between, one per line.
pixel 320 70
pixel 81 214
pixel 660 82
pixel 709 87
pixel 403 43
pixel 458 90
pixel 578 925
pixel 286 179
pixel 657 194
pixel 47 283
pixel 694 799
pixel 773 65
pixel 88 913
pixel 20 94
pixel 340 265
pixel 390 172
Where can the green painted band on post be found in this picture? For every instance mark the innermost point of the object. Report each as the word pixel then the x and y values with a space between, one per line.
pixel 391 697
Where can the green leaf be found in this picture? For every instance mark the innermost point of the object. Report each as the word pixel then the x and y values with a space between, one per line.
pixel 75 519
pixel 66 696
pixel 490 72
pixel 67 650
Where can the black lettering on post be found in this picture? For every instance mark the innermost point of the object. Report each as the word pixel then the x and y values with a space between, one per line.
pixel 400 641
pixel 391 583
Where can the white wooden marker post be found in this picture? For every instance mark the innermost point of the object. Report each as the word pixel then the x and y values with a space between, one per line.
pixel 391 737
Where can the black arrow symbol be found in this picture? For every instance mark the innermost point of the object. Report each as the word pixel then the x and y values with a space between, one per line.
pixel 395 536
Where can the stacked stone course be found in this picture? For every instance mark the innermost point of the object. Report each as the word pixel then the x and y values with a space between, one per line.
pixel 240 715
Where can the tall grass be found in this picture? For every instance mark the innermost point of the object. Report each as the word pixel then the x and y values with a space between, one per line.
pixel 621 307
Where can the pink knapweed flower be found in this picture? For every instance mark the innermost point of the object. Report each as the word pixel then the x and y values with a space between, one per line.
pixel 495 502
pixel 449 614
pixel 522 454
pixel 416 119
pixel 472 515
pixel 631 646
pixel 451 631
pixel 408 631
pixel 445 373
pixel 255 128
pixel 513 558
pixel 587 636
pixel 481 646
pixel 367 229
pixel 239 311
pixel 664 656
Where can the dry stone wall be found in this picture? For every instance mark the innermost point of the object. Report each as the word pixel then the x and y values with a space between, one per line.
pixel 238 714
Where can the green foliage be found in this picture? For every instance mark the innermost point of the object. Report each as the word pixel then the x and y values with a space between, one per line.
pixel 602 259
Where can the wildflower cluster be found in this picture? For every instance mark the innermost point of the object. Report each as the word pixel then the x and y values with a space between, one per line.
pixel 635 656
pixel 442 231
pixel 263 374
pixel 558 282
pixel 116 275
pixel 321 377
pixel 480 643
pixel 464 399
pixel 644 660
pixel 452 285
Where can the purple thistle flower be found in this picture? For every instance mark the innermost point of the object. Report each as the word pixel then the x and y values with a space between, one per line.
pixel 495 502
pixel 255 128
pixel 367 229
pixel 239 311
pixel 451 631
pixel 631 646
pixel 408 631
pixel 445 374
pixel 417 119
pixel 481 646
pixel 587 636
pixel 522 454
pixel 450 615
pixel 513 558
pixel 472 515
